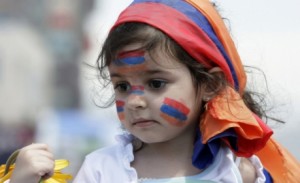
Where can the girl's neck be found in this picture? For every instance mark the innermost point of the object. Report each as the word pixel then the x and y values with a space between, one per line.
pixel 168 148
pixel 179 146
pixel 165 159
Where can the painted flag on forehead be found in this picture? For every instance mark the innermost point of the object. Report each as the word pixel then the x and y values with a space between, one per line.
pixel 130 61
pixel 130 58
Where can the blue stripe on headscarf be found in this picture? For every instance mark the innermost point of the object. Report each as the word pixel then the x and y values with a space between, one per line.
pixel 268 176
pixel 202 22
pixel 205 154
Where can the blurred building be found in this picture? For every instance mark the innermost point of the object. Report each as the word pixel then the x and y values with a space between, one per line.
pixel 25 72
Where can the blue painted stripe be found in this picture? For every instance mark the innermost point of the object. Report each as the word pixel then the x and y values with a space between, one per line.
pixel 137 92
pixel 173 112
pixel 130 61
pixel 120 109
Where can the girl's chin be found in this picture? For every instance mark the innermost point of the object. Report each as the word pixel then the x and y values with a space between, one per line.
pixel 150 139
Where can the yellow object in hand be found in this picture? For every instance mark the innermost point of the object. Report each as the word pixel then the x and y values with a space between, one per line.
pixel 57 177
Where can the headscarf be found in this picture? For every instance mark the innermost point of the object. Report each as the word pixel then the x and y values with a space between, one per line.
pixel 189 27
pixel 199 29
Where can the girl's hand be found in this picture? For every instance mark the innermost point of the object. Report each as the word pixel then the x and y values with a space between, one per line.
pixel 34 162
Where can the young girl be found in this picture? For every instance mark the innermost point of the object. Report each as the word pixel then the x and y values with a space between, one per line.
pixel 180 94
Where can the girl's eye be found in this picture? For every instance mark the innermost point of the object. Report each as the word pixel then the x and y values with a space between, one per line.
pixel 122 87
pixel 157 84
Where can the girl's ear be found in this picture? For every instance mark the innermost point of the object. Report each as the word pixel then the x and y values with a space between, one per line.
pixel 214 85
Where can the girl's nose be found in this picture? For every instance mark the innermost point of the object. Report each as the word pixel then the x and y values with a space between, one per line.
pixel 136 102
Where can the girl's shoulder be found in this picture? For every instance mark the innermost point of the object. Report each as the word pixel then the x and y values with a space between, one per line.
pixel 227 167
pixel 223 168
pixel 103 164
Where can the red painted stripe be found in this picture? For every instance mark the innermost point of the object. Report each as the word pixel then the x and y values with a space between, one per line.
pixel 177 105
pixel 126 54
pixel 120 103
pixel 137 87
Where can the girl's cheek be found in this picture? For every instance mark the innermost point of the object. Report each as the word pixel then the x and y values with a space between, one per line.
pixel 120 109
pixel 174 112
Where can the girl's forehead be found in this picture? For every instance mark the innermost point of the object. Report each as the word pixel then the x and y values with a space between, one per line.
pixel 132 62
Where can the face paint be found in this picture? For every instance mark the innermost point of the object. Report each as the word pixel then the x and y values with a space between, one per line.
pixel 131 61
pixel 120 109
pixel 174 112
pixel 137 90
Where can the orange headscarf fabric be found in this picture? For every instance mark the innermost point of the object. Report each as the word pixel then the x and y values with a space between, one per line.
pixel 282 165
pixel 216 21
pixel 227 110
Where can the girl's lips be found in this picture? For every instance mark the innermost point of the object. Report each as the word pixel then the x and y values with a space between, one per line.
pixel 144 123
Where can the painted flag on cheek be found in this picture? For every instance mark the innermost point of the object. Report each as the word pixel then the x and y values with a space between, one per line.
pixel 174 112
pixel 120 109
pixel 131 61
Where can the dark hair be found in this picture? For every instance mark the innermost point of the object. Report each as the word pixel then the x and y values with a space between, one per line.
pixel 151 38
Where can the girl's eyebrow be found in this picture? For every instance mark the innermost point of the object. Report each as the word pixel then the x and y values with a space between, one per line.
pixel 156 71
pixel 115 75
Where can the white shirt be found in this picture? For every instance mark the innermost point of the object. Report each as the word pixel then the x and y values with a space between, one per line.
pixel 112 165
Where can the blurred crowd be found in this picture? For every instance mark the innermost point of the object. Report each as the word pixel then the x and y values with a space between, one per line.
pixel 42 43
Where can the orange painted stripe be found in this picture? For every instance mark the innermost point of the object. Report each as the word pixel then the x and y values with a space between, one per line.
pixel 172 120
pixel 121 116
pixel 128 69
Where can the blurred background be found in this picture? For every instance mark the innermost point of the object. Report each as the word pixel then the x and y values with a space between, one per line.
pixel 48 94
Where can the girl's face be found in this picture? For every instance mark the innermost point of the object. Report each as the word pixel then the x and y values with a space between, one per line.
pixel 156 100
